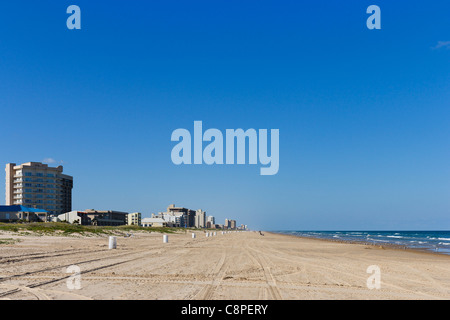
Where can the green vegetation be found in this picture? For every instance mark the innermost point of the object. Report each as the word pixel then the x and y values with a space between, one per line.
pixel 63 228
pixel 127 229
pixel 8 241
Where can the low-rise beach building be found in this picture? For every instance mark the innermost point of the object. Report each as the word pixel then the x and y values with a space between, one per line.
pixel 107 217
pixel 95 217
pixel 13 213
pixel 155 222
pixel 74 216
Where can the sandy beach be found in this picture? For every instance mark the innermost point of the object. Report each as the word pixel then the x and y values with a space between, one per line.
pixel 244 265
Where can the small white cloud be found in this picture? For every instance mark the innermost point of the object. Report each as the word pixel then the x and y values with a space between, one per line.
pixel 442 44
pixel 49 160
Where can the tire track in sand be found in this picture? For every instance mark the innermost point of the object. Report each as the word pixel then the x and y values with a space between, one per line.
pixel 261 261
pixel 218 273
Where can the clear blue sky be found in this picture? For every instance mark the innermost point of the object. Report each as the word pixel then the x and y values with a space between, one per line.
pixel 364 115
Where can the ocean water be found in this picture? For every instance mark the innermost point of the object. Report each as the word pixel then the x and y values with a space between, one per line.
pixel 436 241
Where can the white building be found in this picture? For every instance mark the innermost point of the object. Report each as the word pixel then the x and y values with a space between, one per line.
pixel 200 219
pixel 70 217
pixel 174 219
pixel 154 222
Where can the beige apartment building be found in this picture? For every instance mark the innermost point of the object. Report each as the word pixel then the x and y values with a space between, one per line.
pixel 230 224
pixel 36 185
pixel 134 219
pixel 200 218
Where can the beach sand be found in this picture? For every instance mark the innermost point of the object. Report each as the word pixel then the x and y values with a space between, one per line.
pixel 243 265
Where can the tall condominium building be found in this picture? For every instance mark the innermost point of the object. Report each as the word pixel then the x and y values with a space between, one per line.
pixel 210 222
pixel 200 219
pixel 37 185
pixel 230 224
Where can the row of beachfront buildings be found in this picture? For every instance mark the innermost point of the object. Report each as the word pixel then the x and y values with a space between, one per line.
pixel 172 217
pixel 37 192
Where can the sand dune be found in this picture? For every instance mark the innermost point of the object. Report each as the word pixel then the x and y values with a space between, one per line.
pixel 241 265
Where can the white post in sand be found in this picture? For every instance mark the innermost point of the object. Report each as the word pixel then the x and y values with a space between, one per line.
pixel 165 238
pixel 112 242
pixel 193 235
pixel 215 233
pixel 207 234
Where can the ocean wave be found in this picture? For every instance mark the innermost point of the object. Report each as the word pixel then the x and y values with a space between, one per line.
pixel 433 240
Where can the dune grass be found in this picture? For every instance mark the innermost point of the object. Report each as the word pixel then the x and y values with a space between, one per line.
pixel 8 241
pixel 61 228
